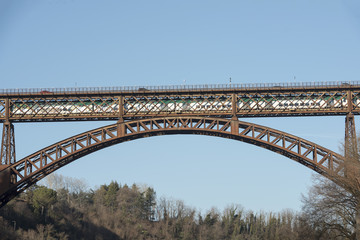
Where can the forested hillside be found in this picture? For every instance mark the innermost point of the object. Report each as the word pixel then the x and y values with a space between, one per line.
pixel 115 211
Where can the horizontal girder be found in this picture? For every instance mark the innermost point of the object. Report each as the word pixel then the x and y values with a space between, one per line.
pixel 251 102
pixel 34 167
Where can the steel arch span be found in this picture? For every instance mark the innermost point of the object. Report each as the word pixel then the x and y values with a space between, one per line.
pixel 36 166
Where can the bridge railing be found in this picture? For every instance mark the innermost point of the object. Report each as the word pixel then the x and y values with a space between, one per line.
pixel 202 87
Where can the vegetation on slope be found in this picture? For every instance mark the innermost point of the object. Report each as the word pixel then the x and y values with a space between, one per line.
pixel 115 211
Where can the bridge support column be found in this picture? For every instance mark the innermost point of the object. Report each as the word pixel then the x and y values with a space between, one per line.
pixel 350 135
pixel 234 119
pixel 8 144
pixel 234 125
pixel 120 128
pixel 120 122
pixel 7 155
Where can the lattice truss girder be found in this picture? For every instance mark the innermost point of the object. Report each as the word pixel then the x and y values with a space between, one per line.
pixel 34 167
pixel 206 104
pixel 247 103
pixel 175 104
pixel 292 102
pixel 63 107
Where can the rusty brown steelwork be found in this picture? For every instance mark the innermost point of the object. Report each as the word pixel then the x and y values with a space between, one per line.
pixel 7 155
pixel 250 101
pixel 34 167
pixel 8 144
pixel 149 111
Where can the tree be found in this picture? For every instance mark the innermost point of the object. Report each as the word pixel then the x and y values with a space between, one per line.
pixel 333 203
pixel 149 203
pixel 43 198
pixel 110 196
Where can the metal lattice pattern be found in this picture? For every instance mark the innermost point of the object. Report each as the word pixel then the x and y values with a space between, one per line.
pixel 356 100
pixel 154 105
pixel 2 108
pixel 36 166
pixel 52 108
pixel 271 102
pixel 304 102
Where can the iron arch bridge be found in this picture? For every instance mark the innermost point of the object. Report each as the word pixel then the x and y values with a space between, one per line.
pixel 151 111
pixel 34 167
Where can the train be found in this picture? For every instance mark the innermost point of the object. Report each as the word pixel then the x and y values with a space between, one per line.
pixel 176 106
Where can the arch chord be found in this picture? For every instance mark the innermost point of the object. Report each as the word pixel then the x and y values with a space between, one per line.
pixel 34 167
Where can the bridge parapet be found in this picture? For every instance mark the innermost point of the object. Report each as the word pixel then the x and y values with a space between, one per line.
pixel 179 88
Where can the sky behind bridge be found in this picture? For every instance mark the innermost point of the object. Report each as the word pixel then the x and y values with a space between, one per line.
pixel 88 43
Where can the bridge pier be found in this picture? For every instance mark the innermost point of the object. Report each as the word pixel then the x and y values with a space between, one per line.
pixel 7 155
pixel 234 124
pixel 8 144
pixel 350 135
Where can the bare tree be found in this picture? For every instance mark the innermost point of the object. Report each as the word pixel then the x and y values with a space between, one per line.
pixel 71 184
pixel 333 203
pixel 330 209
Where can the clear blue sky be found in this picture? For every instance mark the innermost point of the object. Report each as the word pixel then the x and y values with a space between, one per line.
pixel 67 43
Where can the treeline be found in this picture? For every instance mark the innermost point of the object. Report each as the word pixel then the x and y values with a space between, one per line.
pixel 115 211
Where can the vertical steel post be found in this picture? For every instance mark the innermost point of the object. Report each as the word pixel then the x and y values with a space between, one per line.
pixel 8 144
pixel 120 122
pixel 8 139
pixel 121 108
pixel 350 131
pixel 234 123
pixel 350 135
pixel 7 155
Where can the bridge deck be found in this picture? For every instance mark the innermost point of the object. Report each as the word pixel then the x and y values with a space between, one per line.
pixel 224 100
